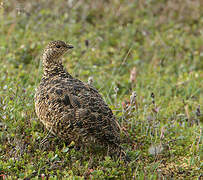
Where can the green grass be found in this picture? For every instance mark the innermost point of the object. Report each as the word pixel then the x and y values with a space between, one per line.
pixel 163 40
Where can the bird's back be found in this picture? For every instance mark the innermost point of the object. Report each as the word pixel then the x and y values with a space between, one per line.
pixel 75 110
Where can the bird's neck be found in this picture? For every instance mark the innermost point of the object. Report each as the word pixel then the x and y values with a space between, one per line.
pixel 55 69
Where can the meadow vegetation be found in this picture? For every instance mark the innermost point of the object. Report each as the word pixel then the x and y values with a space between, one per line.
pixel 153 49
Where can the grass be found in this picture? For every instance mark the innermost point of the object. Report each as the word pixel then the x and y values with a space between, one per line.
pixel 151 47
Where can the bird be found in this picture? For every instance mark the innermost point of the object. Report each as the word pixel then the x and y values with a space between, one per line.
pixel 71 109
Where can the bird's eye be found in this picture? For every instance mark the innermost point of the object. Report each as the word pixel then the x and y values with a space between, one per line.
pixel 58 46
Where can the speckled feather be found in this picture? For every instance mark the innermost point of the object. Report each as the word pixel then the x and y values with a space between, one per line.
pixel 70 108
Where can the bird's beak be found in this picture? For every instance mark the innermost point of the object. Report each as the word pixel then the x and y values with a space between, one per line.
pixel 69 46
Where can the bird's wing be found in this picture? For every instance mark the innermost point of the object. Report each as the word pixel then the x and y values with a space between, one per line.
pixel 74 104
pixel 92 114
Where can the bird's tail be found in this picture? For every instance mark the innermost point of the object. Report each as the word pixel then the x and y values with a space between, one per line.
pixel 124 156
pixel 120 153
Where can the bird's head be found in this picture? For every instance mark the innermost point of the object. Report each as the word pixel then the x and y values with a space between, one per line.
pixel 53 52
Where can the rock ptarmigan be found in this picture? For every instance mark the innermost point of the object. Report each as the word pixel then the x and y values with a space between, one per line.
pixel 71 109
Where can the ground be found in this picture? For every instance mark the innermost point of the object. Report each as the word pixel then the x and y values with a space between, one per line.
pixel 152 48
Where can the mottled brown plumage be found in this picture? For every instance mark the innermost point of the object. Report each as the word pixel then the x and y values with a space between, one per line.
pixel 70 108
